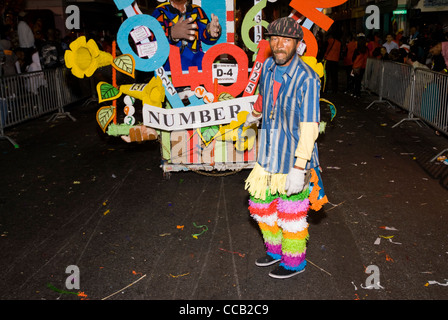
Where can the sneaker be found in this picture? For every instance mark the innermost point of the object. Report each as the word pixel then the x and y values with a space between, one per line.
pixel 282 273
pixel 266 261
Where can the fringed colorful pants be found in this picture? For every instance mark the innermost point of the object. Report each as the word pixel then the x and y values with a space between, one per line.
pixel 282 219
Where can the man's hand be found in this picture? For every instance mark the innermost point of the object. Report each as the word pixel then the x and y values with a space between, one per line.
pixel 214 28
pixel 295 181
pixel 184 29
pixel 251 119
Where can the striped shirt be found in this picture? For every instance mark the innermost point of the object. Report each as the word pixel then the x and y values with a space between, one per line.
pixel 298 101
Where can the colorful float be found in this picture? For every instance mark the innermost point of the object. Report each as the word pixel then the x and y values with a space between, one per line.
pixel 197 115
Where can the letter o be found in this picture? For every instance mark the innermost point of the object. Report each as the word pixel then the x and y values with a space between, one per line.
pixel 163 47
pixel 241 58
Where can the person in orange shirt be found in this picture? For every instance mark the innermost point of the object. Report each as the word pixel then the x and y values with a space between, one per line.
pixel 332 55
pixel 359 64
pixel 350 47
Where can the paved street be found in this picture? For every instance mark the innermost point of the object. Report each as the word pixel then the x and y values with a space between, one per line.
pixel 72 195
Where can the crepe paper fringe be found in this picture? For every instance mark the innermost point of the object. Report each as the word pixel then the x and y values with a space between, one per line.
pixel 292 207
pixel 260 180
pixel 293 263
pixel 272 238
pixel 271 228
pixel 262 209
pixel 294 247
pixel 273 249
pixel 296 235
pixel 294 225
pixel 316 199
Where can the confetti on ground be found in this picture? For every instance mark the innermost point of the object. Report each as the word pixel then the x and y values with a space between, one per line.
pixel 180 275
pixel 79 294
pixel 378 240
pixel 438 283
pixel 50 286
pixel 196 235
pixel 388 228
pixel 242 255
pixel 106 212
pixel 180 227
pixel 164 234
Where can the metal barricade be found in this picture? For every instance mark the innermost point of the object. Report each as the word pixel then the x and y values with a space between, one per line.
pixel 30 95
pixel 373 80
pixel 397 84
pixel 431 97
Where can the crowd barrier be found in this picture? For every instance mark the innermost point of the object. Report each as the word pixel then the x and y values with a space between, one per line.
pixel 421 92
pixel 30 95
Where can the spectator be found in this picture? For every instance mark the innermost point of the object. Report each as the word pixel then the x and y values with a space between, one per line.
pixel 394 55
pixel 359 64
pixel 51 51
pixel 413 35
pixel 413 61
pixel 9 58
pixel 384 54
pixel 376 53
pixel 390 44
pixel 373 44
pixel 437 61
pixel 331 56
pixel 348 61
pixel 26 37
pixel 21 63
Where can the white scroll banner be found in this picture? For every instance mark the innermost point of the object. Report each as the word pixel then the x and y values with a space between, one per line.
pixel 217 113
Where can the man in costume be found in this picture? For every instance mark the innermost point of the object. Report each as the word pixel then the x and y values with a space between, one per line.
pixel 187 26
pixel 285 182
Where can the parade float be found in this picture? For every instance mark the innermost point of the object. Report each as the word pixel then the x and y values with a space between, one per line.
pixel 197 115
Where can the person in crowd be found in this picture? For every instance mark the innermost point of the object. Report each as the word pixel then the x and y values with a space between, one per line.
pixel 26 36
pixel 279 184
pixel 359 64
pixel 437 60
pixel 390 44
pixel 413 61
pixel 373 43
pixel 394 55
pixel 350 47
pixel 51 51
pixel 376 53
pixel 413 35
pixel 187 26
pixel 331 56
pixel 384 54
pixel 9 58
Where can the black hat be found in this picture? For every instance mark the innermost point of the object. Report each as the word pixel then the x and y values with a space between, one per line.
pixel 285 27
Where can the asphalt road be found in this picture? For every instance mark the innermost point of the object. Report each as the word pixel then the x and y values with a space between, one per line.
pixel 73 196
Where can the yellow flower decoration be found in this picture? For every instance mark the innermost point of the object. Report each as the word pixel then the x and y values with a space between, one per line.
pixel 312 62
pixel 84 57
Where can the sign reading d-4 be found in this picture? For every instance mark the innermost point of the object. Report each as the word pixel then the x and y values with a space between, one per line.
pixel 225 72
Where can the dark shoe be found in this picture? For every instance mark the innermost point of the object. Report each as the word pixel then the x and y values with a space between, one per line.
pixel 266 261
pixel 282 273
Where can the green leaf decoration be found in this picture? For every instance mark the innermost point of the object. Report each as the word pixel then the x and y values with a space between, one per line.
pixel 207 134
pixel 225 96
pixel 107 92
pixel 125 64
pixel 104 116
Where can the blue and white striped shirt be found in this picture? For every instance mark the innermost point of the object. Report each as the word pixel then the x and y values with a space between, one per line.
pixel 298 101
